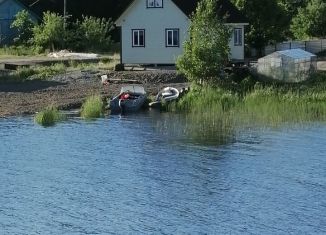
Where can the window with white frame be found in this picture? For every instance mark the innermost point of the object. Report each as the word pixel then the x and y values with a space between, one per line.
pixel 238 36
pixel 172 38
pixel 138 37
pixel 154 3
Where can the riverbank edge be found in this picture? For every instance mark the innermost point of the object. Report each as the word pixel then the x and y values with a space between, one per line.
pixel 69 90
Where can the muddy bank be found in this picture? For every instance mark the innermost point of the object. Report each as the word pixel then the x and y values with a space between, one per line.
pixel 69 90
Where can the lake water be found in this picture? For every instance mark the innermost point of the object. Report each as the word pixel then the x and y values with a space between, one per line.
pixel 142 174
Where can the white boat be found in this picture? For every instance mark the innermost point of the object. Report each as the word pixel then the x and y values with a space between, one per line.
pixel 167 94
pixel 130 99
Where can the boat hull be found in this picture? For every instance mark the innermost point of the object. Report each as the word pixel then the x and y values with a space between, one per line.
pixel 118 105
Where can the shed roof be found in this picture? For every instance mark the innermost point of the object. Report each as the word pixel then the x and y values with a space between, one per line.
pixel 296 53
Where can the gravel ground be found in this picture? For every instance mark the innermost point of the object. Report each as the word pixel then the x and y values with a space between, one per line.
pixel 68 91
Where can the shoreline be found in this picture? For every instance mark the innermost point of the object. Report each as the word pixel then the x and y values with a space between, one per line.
pixel 69 91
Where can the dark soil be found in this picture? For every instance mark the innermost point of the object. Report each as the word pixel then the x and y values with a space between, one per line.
pixel 69 90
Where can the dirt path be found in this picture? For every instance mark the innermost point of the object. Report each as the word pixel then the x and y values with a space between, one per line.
pixel 70 90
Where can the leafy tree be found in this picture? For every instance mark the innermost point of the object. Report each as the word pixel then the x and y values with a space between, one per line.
pixel 310 21
pixel 268 22
pixel 23 24
pixel 51 33
pixel 95 33
pixel 207 49
pixel 291 7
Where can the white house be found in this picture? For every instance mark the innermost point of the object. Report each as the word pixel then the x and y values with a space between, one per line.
pixel 153 31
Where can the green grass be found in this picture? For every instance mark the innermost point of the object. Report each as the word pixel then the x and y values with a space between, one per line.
pixel 18 51
pixel 92 108
pixel 49 117
pixel 256 103
pixel 45 72
pixel 33 73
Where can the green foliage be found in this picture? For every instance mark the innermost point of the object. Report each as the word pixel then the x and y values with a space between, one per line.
pixel 23 24
pixel 19 50
pixel 268 22
pixel 95 33
pixel 89 34
pixel 207 49
pixel 49 117
pixel 291 7
pixel 310 21
pixel 43 72
pixel 34 73
pixel 49 34
pixel 92 108
pixel 264 103
pixel 24 73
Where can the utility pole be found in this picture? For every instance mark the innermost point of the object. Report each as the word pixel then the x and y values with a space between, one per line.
pixel 64 20
pixel 65 12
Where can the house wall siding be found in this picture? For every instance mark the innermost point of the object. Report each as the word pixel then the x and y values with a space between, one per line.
pixel 154 21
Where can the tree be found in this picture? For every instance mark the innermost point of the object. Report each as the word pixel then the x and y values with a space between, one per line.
pixel 268 22
pixel 310 21
pixel 207 49
pixel 23 24
pixel 51 33
pixel 291 7
pixel 95 33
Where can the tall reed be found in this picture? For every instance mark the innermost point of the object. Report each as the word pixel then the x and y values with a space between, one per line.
pixel 93 107
pixel 49 117
pixel 266 104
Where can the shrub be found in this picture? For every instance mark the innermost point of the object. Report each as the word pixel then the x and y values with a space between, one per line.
pixel 48 117
pixel 92 108
pixel 49 34
pixel 23 24
pixel 24 73
pixel 96 32
pixel 90 34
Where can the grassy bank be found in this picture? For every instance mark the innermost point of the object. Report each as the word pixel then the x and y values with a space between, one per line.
pixel 40 72
pixel 230 104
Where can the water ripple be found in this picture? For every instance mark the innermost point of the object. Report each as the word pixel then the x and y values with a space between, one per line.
pixel 127 175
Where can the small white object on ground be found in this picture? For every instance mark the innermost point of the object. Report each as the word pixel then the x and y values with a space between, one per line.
pixel 67 54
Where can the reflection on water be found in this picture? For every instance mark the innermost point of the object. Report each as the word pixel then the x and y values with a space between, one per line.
pixel 194 129
pixel 153 173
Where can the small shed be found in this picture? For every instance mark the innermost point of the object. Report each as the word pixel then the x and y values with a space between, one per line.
pixel 294 65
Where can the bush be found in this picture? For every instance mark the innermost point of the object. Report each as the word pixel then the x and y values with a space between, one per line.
pixel 89 34
pixel 92 108
pixel 95 33
pixel 23 24
pixel 24 73
pixel 49 34
pixel 49 117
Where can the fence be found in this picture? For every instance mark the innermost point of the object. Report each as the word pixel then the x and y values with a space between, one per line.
pixel 313 46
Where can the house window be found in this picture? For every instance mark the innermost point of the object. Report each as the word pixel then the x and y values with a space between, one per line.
pixel 172 38
pixel 138 38
pixel 238 37
pixel 154 3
